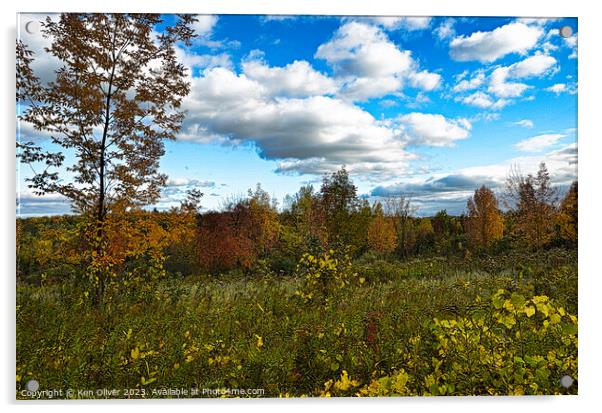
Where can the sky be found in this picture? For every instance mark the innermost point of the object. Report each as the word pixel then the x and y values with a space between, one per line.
pixel 428 107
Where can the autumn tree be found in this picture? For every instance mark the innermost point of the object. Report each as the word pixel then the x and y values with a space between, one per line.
pixel 381 232
pixel 113 102
pixel 223 241
pixel 568 216
pixel 400 209
pixel 246 230
pixel 484 222
pixel 264 224
pixel 533 200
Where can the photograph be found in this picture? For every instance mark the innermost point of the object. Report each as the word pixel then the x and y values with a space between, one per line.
pixel 290 206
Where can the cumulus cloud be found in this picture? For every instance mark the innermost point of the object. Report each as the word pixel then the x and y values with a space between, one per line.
pixel 470 84
pixel 501 87
pixel 534 66
pixel 204 25
pixel 305 131
pixel 486 47
pixel 204 29
pixel 496 90
pixel 436 184
pixel 424 80
pixel 369 65
pixel 306 135
pixel 484 101
pixel 433 129
pixel 296 79
pixel 539 142
pixel 194 60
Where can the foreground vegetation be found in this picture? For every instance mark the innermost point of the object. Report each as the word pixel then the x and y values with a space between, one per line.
pixel 398 330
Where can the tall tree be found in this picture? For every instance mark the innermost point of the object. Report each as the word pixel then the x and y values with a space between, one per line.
pixel 568 216
pixel 485 223
pixel 446 228
pixel 338 200
pixel 112 103
pixel 534 202
pixel 400 209
pixel 381 232
pixel 308 218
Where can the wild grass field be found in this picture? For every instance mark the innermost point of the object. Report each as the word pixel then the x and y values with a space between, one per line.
pixel 379 328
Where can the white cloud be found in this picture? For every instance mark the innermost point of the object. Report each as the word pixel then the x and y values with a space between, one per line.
pixel 538 143
pixel 365 51
pixel 311 135
pixel 445 30
pixel 204 29
pixel 192 60
pixel 484 101
pixel 525 123
pixel 571 43
pixel 296 79
pixel 470 84
pixel 425 80
pixel 205 24
pixel 434 129
pixel 367 64
pixel 559 88
pixel 407 23
pixel 363 88
pixel 499 86
pixel 27 133
pixel 536 65
pixel 489 46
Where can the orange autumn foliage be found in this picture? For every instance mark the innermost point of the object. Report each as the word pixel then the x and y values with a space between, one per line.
pixel 484 224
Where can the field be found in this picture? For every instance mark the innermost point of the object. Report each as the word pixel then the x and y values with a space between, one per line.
pixel 488 325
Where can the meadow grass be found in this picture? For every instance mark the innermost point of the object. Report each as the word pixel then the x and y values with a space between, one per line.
pixel 256 333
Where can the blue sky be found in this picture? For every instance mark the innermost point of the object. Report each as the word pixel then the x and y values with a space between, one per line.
pixel 428 107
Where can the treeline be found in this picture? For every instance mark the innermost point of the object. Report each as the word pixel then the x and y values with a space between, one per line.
pixel 252 235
